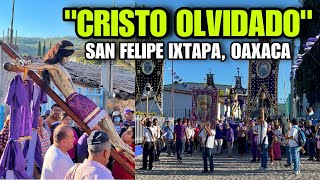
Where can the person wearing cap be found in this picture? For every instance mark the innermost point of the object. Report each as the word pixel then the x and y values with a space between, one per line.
pixel 116 117
pixel 57 161
pixel 82 146
pixel 45 123
pixel 168 136
pixel 99 148
pixel 129 115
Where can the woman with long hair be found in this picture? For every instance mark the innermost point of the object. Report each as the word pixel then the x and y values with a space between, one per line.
pixel 82 106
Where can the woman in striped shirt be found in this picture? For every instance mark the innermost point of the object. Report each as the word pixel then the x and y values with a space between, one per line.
pixel 44 137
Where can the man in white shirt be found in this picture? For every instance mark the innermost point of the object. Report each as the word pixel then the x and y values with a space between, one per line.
pixel 262 142
pixel 158 138
pixel 57 161
pixel 190 136
pixel 99 148
pixel 294 147
pixel 148 145
pixel 207 142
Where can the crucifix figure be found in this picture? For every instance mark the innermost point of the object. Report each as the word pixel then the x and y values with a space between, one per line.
pixel 83 107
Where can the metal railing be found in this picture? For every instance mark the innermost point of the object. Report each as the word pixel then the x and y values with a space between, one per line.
pixel 178 113
pixel 140 127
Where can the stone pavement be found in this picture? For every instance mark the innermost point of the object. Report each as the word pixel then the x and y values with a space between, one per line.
pixel 238 167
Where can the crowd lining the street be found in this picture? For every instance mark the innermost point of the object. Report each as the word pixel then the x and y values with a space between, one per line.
pixel 266 140
pixel 70 153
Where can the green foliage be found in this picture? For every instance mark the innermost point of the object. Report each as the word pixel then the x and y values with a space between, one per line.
pixel 39 49
pixel 44 49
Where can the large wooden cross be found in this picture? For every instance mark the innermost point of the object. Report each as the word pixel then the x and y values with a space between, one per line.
pixel 10 67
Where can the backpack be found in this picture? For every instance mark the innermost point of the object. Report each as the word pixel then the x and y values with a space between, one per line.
pixel 301 138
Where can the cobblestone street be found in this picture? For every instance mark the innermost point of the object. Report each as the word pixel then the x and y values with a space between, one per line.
pixel 238 167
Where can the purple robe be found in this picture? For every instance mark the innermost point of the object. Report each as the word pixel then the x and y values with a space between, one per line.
pixel 19 98
pixel 253 137
pixel 82 147
pixel 39 97
pixel 12 159
pixel 230 135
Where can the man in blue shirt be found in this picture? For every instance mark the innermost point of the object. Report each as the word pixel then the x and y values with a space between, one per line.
pixel 168 132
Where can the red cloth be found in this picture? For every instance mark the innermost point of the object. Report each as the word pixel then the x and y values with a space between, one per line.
pixel 72 152
pixel 277 151
pixel 117 170
pixel 196 133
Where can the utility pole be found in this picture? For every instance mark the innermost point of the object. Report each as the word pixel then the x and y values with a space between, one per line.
pixel 292 113
pixel 11 28
pixel 107 78
pixel 172 90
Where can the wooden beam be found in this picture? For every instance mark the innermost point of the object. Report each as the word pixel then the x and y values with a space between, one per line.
pixel 60 102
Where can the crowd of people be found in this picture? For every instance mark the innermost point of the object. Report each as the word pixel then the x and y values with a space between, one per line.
pixel 70 153
pixel 266 140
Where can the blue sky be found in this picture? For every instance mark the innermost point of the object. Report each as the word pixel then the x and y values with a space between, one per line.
pixel 43 18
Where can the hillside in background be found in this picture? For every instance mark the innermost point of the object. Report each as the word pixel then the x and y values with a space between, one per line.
pixel 30 46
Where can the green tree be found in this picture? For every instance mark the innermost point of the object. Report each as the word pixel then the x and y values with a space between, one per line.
pixel 44 49
pixel 39 48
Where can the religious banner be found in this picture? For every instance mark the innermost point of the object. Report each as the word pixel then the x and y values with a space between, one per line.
pixel 204 106
pixel 263 77
pixel 149 71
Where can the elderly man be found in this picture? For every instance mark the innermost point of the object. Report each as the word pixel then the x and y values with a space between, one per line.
pixel 99 148
pixel 57 161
